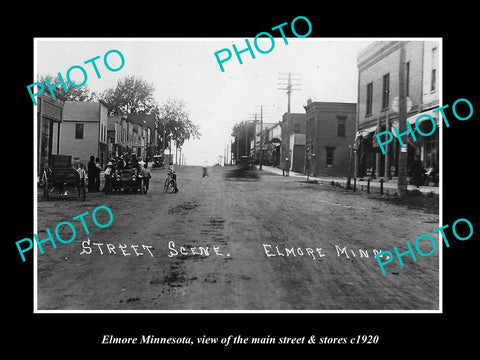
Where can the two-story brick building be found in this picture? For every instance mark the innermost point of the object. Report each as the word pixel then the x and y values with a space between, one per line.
pixel 378 87
pixel 330 131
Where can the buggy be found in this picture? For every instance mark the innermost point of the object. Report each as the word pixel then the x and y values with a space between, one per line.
pixel 62 177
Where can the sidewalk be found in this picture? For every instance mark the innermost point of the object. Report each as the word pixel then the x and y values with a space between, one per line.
pixel 391 185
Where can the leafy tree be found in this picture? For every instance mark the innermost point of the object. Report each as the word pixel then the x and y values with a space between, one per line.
pixel 174 116
pixel 131 95
pixel 73 93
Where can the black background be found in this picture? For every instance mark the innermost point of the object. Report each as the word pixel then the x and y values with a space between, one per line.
pixel 64 335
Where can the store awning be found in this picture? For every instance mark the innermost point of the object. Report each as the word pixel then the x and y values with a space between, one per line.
pixel 366 132
pixel 423 116
pixel 363 133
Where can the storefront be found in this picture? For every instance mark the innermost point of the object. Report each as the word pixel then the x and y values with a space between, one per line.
pixel 365 152
pixel 49 119
pixel 273 152
pixel 427 147
pixel 371 162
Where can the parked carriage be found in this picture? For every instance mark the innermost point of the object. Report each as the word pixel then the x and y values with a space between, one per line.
pixel 62 179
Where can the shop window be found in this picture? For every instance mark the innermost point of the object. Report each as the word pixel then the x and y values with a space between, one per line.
pixel 330 155
pixel 369 99
pixel 433 80
pixel 341 123
pixel 386 91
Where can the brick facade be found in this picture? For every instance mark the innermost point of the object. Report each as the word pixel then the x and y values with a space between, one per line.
pixel 375 95
pixel 330 131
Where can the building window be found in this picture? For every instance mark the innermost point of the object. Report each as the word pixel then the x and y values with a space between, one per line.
pixel 341 121
pixel 296 128
pixel 386 91
pixel 407 76
pixel 433 82
pixel 369 99
pixel 329 160
pixel 78 131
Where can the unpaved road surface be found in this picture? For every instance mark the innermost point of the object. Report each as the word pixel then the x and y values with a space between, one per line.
pixel 218 245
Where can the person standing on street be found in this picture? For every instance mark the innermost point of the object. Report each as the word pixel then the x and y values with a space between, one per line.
pixel 205 170
pixel 145 174
pixel 173 174
pixel 108 178
pixel 98 170
pixel 134 163
pixel 286 167
pixel 91 171
pixel 417 172
pixel 83 174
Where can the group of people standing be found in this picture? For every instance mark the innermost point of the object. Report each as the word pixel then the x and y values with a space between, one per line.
pixel 114 165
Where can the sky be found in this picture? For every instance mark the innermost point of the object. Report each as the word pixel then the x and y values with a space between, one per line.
pixel 186 69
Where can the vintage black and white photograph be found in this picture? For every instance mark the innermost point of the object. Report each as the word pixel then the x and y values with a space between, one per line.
pixel 269 174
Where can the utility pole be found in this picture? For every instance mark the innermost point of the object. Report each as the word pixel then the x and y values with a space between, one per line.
pixel 237 140
pixel 246 138
pixel 254 133
pixel 289 86
pixel 163 140
pixel 261 135
pixel 402 117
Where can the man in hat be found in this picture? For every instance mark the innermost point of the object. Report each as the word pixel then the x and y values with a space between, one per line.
pixel 108 177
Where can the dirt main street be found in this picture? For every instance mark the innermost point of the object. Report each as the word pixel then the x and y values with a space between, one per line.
pixel 235 244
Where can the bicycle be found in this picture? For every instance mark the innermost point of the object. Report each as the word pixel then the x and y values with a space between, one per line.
pixel 170 185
